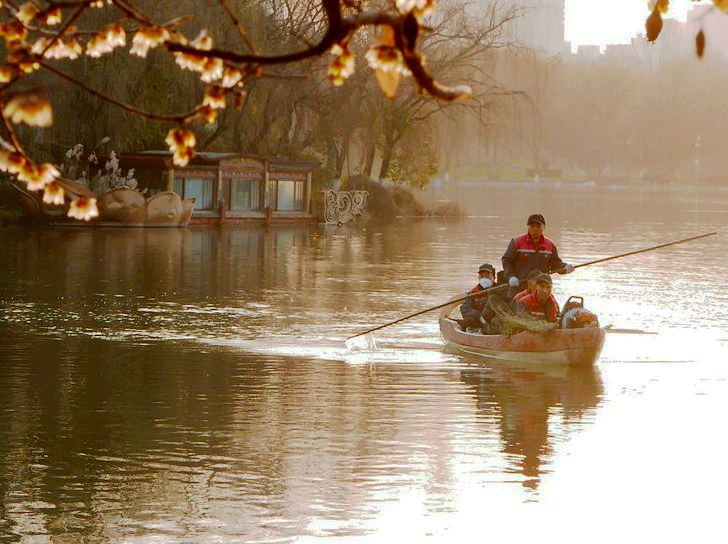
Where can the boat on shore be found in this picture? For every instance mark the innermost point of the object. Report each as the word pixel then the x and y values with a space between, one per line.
pixel 575 347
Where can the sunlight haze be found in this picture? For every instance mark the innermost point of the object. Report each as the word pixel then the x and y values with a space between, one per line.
pixel 594 22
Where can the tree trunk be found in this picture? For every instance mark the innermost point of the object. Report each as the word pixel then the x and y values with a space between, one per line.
pixel 391 141
pixel 343 154
pixel 369 162
pixel 386 159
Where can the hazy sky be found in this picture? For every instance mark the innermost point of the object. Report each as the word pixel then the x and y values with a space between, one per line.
pixel 612 21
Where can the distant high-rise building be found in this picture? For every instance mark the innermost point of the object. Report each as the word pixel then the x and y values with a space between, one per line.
pixel 540 26
pixel 588 53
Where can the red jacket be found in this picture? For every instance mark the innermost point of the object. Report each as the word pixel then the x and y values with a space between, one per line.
pixel 478 303
pixel 523 255
pixel 520 296
pixel 530 306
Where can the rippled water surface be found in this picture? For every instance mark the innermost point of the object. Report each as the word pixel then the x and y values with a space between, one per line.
pixel 194 386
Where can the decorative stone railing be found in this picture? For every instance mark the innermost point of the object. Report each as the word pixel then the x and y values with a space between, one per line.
pixel 343 206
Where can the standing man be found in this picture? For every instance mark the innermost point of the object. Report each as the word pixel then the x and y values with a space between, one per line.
pixel 531 251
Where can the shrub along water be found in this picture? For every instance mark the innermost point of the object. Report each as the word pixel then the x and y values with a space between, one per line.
pixel 390 202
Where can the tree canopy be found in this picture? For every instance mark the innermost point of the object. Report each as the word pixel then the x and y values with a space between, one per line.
pixel 93 49
pixel 302 77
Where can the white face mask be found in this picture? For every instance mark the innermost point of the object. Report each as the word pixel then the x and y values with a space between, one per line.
pixel 486 282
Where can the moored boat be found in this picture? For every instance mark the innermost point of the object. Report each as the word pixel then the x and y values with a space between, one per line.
pixel 577 347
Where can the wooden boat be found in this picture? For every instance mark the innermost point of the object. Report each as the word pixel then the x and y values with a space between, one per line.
pixel 576 347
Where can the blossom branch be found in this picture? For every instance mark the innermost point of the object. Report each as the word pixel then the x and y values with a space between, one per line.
pixel 72 19
pixel 337 31
pixel 238 25
pixel 132 11
pixel 11 133
pixel 179 118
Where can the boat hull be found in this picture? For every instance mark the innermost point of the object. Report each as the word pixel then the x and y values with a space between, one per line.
pixel 576 347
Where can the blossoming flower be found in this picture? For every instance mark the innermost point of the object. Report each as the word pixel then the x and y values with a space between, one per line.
pixel 15 162
pixel 23 61
pixel 37 176
pixel 207 114
pixel 40 45
pixel 7 73
pixel 54 194
pixel 27 12
pixel 190 61
pixel 148 37
pixel 181 143
pixel 202 41
pixel 30 109
pixel 4 159
pixel 387 59
pixel 13 31
pixel 53 17
pixel 342 67
pixel 212 70
pixel 83 208
pixel 98 46
pixel 214 97
pixel 110 38
pixel 69 49
pixel 231 77
pixel 116 35
pixel 421 8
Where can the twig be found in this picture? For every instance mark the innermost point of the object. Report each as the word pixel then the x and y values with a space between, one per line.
pixel 238 25
pixel 13 136
pixel 180 118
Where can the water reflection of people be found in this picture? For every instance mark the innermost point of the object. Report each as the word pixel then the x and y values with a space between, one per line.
pixel 524 399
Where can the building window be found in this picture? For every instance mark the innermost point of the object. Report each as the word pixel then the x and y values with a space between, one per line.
pixel 244 194
pixel 290 195
pixel 199 189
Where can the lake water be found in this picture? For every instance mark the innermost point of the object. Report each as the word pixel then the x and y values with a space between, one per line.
pixel 188 386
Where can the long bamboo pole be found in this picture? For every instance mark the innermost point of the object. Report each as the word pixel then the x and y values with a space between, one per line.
pixel 497 287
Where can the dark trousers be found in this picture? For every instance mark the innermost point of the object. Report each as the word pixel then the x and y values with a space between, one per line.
pixel 471 318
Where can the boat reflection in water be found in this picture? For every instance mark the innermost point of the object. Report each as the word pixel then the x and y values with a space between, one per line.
pixel 536 407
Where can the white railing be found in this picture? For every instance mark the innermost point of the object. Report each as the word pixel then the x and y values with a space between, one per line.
pixel 343 206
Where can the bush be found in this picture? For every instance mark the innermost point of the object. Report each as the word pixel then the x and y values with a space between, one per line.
pixel 380 202
pixel 406 202
pixel 446 209
pixel 384 202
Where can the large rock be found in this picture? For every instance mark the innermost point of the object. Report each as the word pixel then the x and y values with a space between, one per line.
pixel 123 205
pixel 164 209
pixel 188 204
